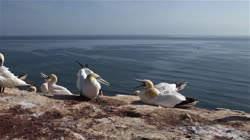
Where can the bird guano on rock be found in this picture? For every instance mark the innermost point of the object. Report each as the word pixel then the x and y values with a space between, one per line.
pixel 165 98
pixel 7 78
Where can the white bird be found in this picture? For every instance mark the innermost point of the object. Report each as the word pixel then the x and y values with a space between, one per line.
pixel 44 86
pixel 56 89
pixel 177 86
pixel 165 98
pixel 81 76
pixel 7 78
pixel 32 89
pixel 92 87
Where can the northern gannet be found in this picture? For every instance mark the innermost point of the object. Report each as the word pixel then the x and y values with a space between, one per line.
pixel 32 89
pixel 81 76
pixel 165 98
pixel 8 79
pixel 92 87
pixel 177 86
pixel 56 89
pixel 44 86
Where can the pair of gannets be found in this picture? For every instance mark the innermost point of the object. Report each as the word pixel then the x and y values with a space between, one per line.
pixel 88 82
pixel 177 86
pixel 164 95
pixel 7 78
pixel 50 86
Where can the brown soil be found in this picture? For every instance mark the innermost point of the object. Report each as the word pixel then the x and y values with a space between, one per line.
pixel 31 116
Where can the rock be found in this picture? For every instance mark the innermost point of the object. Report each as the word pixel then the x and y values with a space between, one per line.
pixel 32 116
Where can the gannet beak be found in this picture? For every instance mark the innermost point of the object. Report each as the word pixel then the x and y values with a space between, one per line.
pixel 140 86
pixel 1 62
pixel 99 79
pixel 44 76
pixel 81 65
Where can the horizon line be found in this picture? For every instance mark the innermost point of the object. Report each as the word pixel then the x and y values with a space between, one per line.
pixel 127 35
pixel 122 37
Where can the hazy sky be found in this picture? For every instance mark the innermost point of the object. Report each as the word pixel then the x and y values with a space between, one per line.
pixel 100 17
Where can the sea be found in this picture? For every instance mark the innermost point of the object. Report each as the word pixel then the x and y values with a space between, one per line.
pixel 217 68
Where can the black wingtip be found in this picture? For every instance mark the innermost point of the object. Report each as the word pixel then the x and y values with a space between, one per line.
pixel 179 83
pixel 188 101
pixel 81 65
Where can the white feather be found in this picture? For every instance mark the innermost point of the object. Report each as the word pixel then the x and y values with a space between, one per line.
pixel 162 87
pixel 8 79
pixel 91 88
pixel 167 99
pixel 44 88
pixel 166 87
pixel 81 76
pixel 58 90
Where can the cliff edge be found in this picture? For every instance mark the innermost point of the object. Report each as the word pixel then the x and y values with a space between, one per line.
pixel 25 115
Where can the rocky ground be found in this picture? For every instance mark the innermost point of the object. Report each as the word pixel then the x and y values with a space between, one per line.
pixel 25 115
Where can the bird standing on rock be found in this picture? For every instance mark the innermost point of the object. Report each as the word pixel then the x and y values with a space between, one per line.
pixel 81 76
pixel 92 86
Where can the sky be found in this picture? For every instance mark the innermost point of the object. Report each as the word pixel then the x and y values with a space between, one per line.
pixel 127 17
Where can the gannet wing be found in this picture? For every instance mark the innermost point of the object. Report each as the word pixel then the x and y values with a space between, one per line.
pixel 4 71
pixel 162 87
pixel 60 90
pixel 8 79
pixel 168 100
pixel 180 85
pixel 23 76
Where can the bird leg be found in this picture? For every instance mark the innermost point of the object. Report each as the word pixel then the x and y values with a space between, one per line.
pixel 2 89
pixel 81 94
pixel 100 92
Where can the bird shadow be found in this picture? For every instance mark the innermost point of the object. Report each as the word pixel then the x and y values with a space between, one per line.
pixel 137 103
pixel 69 98
pixel 233 118
pixel 141 103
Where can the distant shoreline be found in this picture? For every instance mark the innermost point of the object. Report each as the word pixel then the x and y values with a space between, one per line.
pixel 120 37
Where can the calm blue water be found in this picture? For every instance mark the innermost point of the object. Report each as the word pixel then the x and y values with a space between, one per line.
pixel 217 69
